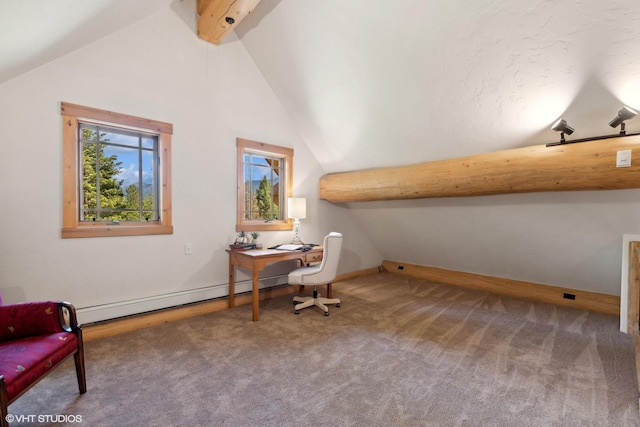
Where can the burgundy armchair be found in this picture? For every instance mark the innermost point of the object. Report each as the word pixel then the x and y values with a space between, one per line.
pixel 35 337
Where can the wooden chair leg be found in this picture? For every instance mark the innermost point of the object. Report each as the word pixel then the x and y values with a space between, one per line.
pixel 80 371
pixel 4 403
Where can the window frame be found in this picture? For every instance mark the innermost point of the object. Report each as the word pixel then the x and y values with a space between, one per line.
pixel 72 227
pixel 243 224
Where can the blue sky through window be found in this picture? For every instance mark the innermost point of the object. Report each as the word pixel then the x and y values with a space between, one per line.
pixel 130 167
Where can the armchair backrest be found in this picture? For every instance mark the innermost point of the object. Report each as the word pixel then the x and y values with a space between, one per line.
pixel 29 319
pixel 332 246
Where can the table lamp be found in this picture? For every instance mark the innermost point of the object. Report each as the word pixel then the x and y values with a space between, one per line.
pixel 296 209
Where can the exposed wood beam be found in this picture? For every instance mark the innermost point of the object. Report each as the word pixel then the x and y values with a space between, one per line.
pixel 218 17
pixel 580 166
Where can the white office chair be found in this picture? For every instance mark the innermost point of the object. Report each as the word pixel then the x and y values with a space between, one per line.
pixel 322 274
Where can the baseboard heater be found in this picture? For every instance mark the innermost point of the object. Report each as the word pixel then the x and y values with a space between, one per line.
pixel 115 310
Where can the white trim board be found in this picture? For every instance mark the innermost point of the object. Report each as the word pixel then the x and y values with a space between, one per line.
pixel 624 279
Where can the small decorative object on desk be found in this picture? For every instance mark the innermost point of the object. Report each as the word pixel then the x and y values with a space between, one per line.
pixel 254 239
pixel 242 243
pixel 242 238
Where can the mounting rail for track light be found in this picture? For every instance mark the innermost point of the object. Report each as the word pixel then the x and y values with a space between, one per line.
pixel 594 138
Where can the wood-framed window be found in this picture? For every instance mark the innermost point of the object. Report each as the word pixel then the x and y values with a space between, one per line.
pixel 116 174
pixel 265 178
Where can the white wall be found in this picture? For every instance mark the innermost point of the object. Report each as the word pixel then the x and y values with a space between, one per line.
pixel 569 239
pixel 369 86
pixel 157 69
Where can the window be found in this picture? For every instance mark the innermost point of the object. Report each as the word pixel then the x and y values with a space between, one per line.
pixel 117 174
pixel 126 189
pixel 264 183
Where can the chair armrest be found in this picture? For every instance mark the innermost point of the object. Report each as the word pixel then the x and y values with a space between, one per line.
pixel 67 317
pixel 28 319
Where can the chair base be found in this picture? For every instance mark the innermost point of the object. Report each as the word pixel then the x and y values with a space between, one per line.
pixel 315 300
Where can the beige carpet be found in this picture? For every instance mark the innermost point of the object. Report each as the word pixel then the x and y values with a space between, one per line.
pixel 399 352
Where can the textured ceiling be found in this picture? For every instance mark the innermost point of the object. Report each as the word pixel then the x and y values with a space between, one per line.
pixel 378 83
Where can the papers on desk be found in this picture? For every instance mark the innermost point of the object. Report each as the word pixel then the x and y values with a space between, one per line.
pixel 289 247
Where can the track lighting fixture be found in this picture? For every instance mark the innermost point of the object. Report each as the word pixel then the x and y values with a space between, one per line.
pixel 562 127
pixel 625 113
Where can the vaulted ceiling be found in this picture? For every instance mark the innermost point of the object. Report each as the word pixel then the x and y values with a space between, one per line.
pixel 33 32
pixel 373 85
pixel 370 84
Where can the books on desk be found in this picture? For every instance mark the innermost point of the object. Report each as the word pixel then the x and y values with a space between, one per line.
pixel 242 246
pixel 289 247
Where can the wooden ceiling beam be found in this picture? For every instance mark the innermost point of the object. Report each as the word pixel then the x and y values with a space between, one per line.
pixel 571 167
pixel 218 17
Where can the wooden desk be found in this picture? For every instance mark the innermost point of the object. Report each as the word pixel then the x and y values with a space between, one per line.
pixel 256 260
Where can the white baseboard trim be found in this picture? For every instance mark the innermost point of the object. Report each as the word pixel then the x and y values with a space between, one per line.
pixel 114 310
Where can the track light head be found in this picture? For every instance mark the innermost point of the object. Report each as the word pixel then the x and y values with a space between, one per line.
pixel 562 126
pixel 625 113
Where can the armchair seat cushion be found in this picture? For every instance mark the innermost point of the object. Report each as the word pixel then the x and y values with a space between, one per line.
pixel 24 361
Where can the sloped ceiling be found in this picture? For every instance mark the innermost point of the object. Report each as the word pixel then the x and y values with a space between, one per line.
pixel 379 84
pixel 372 84
pixel 33 32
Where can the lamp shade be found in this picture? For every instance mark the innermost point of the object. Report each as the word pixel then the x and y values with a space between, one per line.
pixel 297 207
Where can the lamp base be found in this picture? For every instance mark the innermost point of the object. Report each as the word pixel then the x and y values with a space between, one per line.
pixel 296 226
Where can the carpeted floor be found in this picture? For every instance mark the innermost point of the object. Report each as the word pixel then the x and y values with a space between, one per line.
pixel 399 352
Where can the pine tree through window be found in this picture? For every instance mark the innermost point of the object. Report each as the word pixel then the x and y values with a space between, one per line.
pixel 126 189
pixel 261 187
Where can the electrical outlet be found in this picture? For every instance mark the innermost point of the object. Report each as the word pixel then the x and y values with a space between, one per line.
pixel 187 249
pixel 623 159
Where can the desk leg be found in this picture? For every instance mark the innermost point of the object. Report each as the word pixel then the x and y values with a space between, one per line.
pixel 232 282
pixel 329 291
pixel 255 295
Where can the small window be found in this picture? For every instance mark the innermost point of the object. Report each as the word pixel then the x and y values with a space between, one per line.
pixel 264 184
pixel 116 174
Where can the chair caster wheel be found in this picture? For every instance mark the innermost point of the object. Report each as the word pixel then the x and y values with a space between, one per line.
pixel 326 313
pixel 296 312
pixel 338 305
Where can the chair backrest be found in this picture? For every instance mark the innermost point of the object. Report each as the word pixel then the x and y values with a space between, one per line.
pixel 331 245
